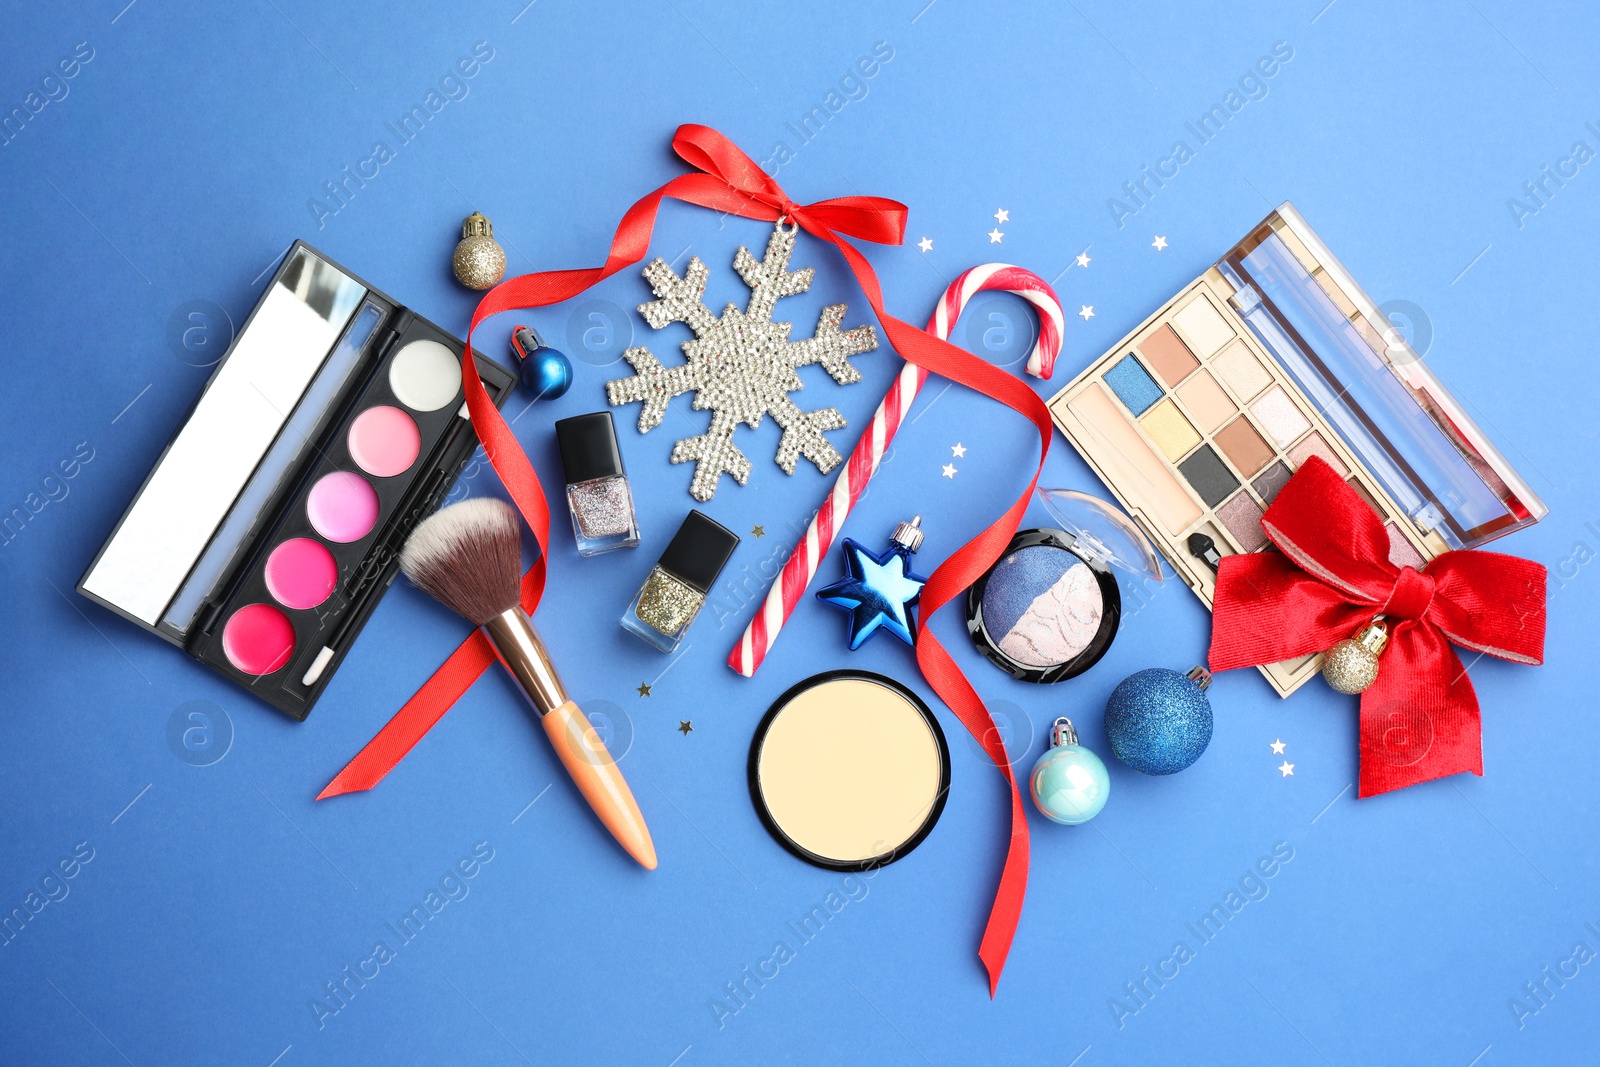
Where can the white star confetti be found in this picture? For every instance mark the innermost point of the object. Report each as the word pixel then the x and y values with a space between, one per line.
pixel 1159 243
pixel 958 450
pixel 1083 258
pixel 1277 748
pixel 1086 312
pixel 995 235
pixel 1002 215
pixel 1286 768
pixel 926 244
pixel 949 470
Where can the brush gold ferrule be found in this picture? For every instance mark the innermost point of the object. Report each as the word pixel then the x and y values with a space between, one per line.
pixel 518 646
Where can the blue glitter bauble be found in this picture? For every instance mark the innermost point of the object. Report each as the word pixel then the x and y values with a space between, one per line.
pixel 1159 721
pixel 546 373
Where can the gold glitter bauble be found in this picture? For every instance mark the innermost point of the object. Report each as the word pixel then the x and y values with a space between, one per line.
pixel 479 261
pixel 1351 666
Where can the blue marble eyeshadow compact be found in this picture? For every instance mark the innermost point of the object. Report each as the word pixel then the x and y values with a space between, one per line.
pixel 1050 606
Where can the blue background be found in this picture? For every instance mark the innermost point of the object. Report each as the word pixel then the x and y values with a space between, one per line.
pixel 220 899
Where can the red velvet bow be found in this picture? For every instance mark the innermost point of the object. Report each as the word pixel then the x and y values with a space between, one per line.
pixel 727 180
pixel 1419 720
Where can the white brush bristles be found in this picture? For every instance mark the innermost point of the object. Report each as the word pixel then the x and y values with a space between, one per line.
pixel 468 557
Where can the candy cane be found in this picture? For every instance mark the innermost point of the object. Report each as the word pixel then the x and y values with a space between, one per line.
pixel 802 564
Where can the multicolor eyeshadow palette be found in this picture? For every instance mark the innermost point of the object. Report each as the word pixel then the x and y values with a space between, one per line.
pixel 267 531
pixel 1198 418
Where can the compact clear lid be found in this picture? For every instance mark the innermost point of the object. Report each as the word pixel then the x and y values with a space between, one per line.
pixel 1102 533
pixel 1373 387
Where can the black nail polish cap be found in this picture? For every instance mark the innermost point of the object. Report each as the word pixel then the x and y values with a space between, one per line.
pixel 588 446
pixel 699 550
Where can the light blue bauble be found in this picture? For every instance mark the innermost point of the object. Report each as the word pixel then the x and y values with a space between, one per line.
pixel 1069 783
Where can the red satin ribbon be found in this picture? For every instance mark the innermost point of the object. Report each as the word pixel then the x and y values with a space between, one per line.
pixel 727 180
pixel 1420 720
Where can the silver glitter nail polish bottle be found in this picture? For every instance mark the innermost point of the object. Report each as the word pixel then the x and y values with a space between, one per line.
pixel 597 487
pixel 677 586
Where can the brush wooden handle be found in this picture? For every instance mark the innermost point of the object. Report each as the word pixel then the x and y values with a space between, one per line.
pixel 595 773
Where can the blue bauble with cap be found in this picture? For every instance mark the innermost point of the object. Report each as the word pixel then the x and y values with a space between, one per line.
pixel 1159 721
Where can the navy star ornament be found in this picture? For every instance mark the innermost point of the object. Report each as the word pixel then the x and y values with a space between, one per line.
pixel 879 590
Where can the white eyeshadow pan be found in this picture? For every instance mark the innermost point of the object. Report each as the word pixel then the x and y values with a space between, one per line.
pixel 425 376
pixel 1278 415
pixel 1202 327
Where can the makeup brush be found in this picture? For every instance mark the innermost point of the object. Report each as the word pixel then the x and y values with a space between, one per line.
pixel 468 557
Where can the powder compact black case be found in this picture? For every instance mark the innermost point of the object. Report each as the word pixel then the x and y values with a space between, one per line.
pixel 189 558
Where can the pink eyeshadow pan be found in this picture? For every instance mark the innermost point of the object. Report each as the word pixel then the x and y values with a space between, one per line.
pixel 1401 552
pixel 1314 445
pixel 384 441
pixel 300 573
pixel 258 639
pixel 1242 517
pixel 342 507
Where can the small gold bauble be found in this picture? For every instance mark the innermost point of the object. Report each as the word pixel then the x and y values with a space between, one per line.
pixel 479 261
pixel 1351 666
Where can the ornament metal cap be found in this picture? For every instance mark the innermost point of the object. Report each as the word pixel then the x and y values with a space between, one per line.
pixel 1062 733
pixel 909 534
pixel 1200 677
pixel 476 225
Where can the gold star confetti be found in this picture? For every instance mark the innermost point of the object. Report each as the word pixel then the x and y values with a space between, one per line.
pixel 685 726
pixel 758 532
pixel 644 689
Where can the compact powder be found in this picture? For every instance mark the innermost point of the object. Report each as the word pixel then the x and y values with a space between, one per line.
pixel 849 770
pixel 1202 326
pixel 1168 356
pixel 1210 477
pixel 1133 385
pixel 1171 432
pixel 1314 445
pixel 300 573
pixel 384 441
pixel 258 639
pixel 1208 405
pixel 1242 517
pixel 425 376
pixel 1241 443
pixel 1361 491
pixel 342 507
pixel 1242 371
pixel 1279 416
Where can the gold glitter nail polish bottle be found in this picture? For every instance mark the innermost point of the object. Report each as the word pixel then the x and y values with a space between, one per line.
pixel 676 589
pixel 597 487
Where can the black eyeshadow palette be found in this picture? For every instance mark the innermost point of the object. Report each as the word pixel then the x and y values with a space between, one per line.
pixel 267 532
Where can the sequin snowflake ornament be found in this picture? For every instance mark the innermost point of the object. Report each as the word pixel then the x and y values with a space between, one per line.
pixel 741 366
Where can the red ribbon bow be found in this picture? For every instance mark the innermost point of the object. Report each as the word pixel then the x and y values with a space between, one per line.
pixel 1419 720
pixel 727 180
